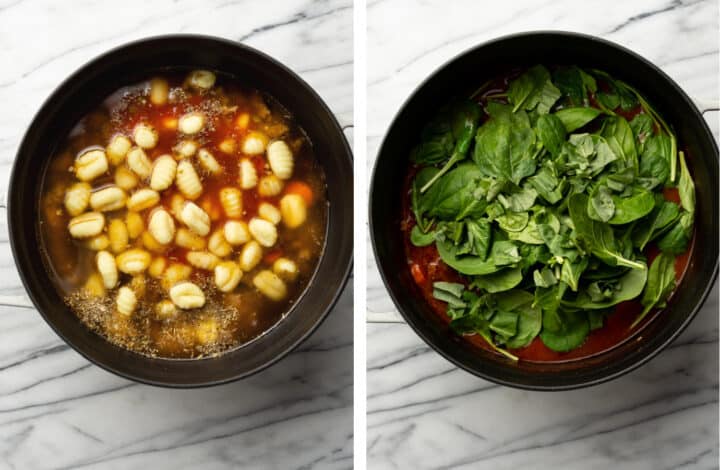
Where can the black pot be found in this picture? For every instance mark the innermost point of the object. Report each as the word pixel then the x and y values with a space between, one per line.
pixel 464 74
pixel 134 62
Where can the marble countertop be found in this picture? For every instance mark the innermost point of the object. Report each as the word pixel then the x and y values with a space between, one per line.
pixel 425 413
pixel 59 411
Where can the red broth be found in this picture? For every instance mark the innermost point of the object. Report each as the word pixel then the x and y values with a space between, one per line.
pixel 426 268
pixel 229 319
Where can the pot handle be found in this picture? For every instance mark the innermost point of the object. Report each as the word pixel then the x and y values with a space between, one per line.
pixel 22 300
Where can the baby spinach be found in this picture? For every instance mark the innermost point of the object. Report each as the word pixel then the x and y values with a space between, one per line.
pixel 548 223
pixel 660 283
pixel 575 118
pixel 504 146
pixel 449 138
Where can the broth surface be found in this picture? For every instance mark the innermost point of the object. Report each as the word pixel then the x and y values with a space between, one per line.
pixel 232 113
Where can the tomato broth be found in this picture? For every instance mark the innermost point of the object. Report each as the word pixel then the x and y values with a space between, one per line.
pixel 227 319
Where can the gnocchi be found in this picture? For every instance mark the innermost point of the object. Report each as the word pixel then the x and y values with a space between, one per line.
pixel 145 136
pixel 208 162
pixel 163 173
pixel 90 164
pixel 143 199
pixel 159 89
pixel 86 225
pixel 270 285
pixel 191 123
pixel 138 162
pixel 202 260
pixel 133 261
pixel 116 150
pixel 107 268
pixel 217 244
pixel 187 239
pixel 280 159
pixel 77 198
pixel 195 218
pixel 269 212
pixel 250 256
pixel 231 200
pixel 126 301
pixel 270 186
pixel 162 226
pixel 263 231
pixel 293 210
pixel 254 143
pixel 248 175
pixel 178 241
pixel 125 178
pixel 108 199
pixel 236 232
pixel 118 236
pixel 201 79
pixel 187 295
pixel 188 181
pixel 227 276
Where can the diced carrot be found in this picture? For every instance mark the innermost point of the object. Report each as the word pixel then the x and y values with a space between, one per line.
pixel 417 274
pixel 302 190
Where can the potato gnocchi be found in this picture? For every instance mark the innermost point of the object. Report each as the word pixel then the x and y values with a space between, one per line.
pixel 179 201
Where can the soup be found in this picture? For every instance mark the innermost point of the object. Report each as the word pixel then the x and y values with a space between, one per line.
pixel 549 216
pixel 184 216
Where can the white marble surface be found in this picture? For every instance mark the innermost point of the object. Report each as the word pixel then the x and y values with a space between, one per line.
pixel 425 413
pixel 59 411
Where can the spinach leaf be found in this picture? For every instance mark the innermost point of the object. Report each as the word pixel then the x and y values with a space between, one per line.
pixel 504 324
pixel 416 205
pixel 574 83
pixel 625 209
pixel 642 126
pixel 654 170
pixel 518 200
pixel 572 270
pixel 500 281
pixel 436 142
pixel 601 205
pixel 419 238
pixel 575 118
pixel 660 283
pixel 502 253
pixel 569 332
pixel 546 183
pixel 686 187
pixel 544 277
pixel 460 120
pixel 620 138
pixel 627 287
pixel 455 194
pixel 533 89
pixel 504 146
pixel 479 233
pixel 449 292
pixel 676 240
pixel 513 221
pixel 597 236
pixel 551 132
pixel 657 222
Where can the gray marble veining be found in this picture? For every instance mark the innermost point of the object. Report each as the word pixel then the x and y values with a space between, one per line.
pixel 425 413
pixel 59 411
